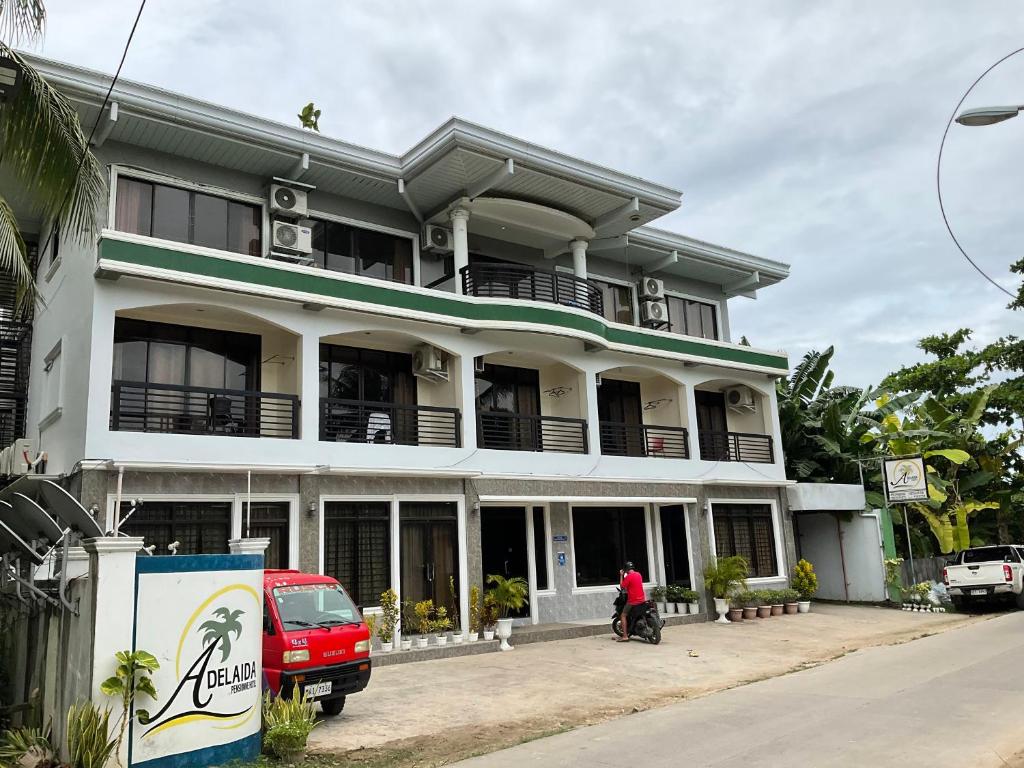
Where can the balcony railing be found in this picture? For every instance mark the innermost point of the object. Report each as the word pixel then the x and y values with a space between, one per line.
pixel 359 421
pixel 643 440
pixel 736 446
pixel 517 432
pixel 170 408
pixel 516 281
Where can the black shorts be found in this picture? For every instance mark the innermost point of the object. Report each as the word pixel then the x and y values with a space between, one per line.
pixel 634 611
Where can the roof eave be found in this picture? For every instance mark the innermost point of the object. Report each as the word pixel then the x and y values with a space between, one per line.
pixel 663 240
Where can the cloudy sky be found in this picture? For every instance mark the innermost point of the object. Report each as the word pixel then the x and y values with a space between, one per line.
pixel 804 132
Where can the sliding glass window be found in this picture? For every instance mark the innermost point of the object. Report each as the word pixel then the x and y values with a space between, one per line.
pixel 355 251
pixel 604 538
pixel 692 318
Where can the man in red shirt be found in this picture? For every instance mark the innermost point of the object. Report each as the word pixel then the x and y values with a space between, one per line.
pixel 633 583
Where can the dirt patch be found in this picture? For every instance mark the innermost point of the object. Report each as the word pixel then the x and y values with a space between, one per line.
pixel 434 713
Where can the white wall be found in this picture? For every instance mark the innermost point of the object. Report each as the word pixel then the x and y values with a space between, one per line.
pixel 831 543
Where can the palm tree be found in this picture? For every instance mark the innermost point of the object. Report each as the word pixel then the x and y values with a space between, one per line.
pixel 43 152
pixel 220 631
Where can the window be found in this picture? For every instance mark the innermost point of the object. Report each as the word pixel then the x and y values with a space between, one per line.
pixel 989 555
pixel 51 259
pixel 355 251
pixel 269 520
pixel 185 216
pixel 604 538
pixel 617 301
pixel 200 528
pixel 747 530
pixel 540 548
pixel 367 375
pixel 357 548
pixel 692 318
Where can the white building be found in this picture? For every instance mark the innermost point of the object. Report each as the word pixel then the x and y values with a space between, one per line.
pixel 433 366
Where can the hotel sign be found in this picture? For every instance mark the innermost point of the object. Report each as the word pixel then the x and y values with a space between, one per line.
pixel 906 479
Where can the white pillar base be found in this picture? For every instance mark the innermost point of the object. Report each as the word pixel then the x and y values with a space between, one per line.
pixel 248 546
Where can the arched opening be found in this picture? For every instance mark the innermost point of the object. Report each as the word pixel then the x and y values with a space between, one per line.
pixel 642 412
pixel 733 423
pixel 391 388
pixel 204 369
pixel 530 402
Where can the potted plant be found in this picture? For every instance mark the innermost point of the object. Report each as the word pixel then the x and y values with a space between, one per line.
pixel 509 595
pixel 804 581
pixel 691 601
pixel 660 595
pixel 722 578
pixel 489 615
pixel 475 609
pixel 387 620
pixel 749 603
pixel 370 620
pixel 675 596
pixel 735 609
pixel 424 610
pixel 789 600
pixel 407 619
pixel 439 624
pixel 776 601
pixel 764 603
pixel 456 624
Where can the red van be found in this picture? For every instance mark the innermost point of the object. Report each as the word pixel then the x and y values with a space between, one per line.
pixel 313 638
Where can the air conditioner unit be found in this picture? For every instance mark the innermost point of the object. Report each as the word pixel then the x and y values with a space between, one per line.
pixel 288 201
pixel 292 237
pixel 438 239
pixel 429 362
pixel 479 366
pixel 15 458
pixel 653 313
pixel 740 398
pixel 652 288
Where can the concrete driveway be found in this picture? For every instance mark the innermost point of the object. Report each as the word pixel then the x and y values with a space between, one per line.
pixel 462 706
pixel 949 700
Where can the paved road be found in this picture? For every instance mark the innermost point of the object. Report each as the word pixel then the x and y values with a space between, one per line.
pixel 953 699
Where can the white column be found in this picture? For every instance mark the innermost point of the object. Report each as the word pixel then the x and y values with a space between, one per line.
pixel 593 420
pixel 578 248
pixel 460 236
pixel 309 386
pixel 691 421
pixel 112 569
pixel 465 399
pixel 242 546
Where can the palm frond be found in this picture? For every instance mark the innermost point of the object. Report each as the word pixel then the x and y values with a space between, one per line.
pixel 42 147
pixel 14 259
pixel 21 20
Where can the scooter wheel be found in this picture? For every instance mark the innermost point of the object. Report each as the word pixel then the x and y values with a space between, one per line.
pixel 655 635
pixel 617 626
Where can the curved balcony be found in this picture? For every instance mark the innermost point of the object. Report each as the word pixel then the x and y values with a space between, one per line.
pixel 518 281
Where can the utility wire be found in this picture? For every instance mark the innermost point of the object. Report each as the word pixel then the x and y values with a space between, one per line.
pixel 95 126
pixel 938 175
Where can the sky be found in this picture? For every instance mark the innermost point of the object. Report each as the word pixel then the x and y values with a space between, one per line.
pixel 802 132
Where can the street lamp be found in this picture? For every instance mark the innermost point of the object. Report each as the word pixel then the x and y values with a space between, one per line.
pixel 986 115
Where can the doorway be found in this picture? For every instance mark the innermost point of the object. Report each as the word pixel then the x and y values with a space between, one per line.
pixel 503 546
pixel 712 426
pixel 620 413
pixel 675 546
pixel 430 553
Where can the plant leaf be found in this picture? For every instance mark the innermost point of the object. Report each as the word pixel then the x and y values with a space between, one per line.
pixel 112 686
pixel 952 454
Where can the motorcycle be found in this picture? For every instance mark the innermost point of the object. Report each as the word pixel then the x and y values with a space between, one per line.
pixel 647 625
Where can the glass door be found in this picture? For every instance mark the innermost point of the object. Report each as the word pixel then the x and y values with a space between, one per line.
pixel 503 545
pixel 429 553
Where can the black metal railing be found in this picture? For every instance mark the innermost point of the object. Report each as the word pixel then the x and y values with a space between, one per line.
pixel 516 432
pixel 736 446
pixel 359 421
pixel 643 440
pixel 517 281
pixel 170 408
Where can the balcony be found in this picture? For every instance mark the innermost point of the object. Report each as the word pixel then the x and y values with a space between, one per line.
pixel 517 281
pixel 518 432
pixel 188 410
pixel 736 446
pixel 358 421
pixel 644 440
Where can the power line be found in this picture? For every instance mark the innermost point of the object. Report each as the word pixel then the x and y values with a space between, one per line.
pixel 96 123
pixel 938 175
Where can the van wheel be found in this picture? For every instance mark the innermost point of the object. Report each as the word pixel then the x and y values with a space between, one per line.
pixel 1020 601
pixel 332 707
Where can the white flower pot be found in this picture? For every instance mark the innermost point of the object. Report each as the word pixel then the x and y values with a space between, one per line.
pixel 722 608
pixel 421 642
pixel 407 644
pixel 693 608
pixel 457 638
pixel 804 606
pixel 680 608
pixel 489 634
pixel 442 640
pixel 665 609
pixel 387 647
pixel 504 633
pixel 474 636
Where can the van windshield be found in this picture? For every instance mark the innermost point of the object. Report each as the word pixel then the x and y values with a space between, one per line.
pixel 302 606
pixel 990 555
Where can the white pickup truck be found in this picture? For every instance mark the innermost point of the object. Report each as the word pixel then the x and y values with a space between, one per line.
pixel 986 573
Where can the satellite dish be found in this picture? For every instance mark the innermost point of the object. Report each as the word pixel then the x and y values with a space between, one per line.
pixel 65 508
pixel 12 544
pixel 29 520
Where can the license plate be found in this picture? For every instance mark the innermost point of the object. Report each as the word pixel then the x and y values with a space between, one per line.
pixel 979 591
pixel 316 690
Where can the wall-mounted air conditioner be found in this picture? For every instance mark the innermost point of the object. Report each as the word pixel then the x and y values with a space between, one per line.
pixel 429 362
pixel 286 200
pixel 292 237
pixel 438 239
pixel 740 398
pixel 653 313
pixel 652 288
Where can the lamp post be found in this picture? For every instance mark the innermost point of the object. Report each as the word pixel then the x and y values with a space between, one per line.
pixel 987 115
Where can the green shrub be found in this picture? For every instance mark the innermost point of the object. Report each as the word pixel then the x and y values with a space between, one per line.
pixel 287 724
pixel 726 575
pixel 789 595
pixel 689 596
pixel 16 743
pixel 89 742
pixel 658 594
pixel 805 580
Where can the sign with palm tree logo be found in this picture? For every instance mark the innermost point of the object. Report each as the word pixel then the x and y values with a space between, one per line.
pixel 905 479
pixel 202 617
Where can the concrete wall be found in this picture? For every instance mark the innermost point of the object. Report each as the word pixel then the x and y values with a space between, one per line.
pixel 847 553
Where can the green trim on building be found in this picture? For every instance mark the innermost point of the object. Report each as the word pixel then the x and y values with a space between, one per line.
pixel 439 304
pixel 889 548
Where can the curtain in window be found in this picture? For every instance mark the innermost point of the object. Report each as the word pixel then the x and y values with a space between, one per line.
pixel 133 208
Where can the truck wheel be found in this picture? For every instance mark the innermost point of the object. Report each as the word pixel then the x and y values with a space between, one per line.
pixel 1020 601
pixel 960 603
pixel 332 707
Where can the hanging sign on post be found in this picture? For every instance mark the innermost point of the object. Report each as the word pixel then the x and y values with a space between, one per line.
pixel 906 479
